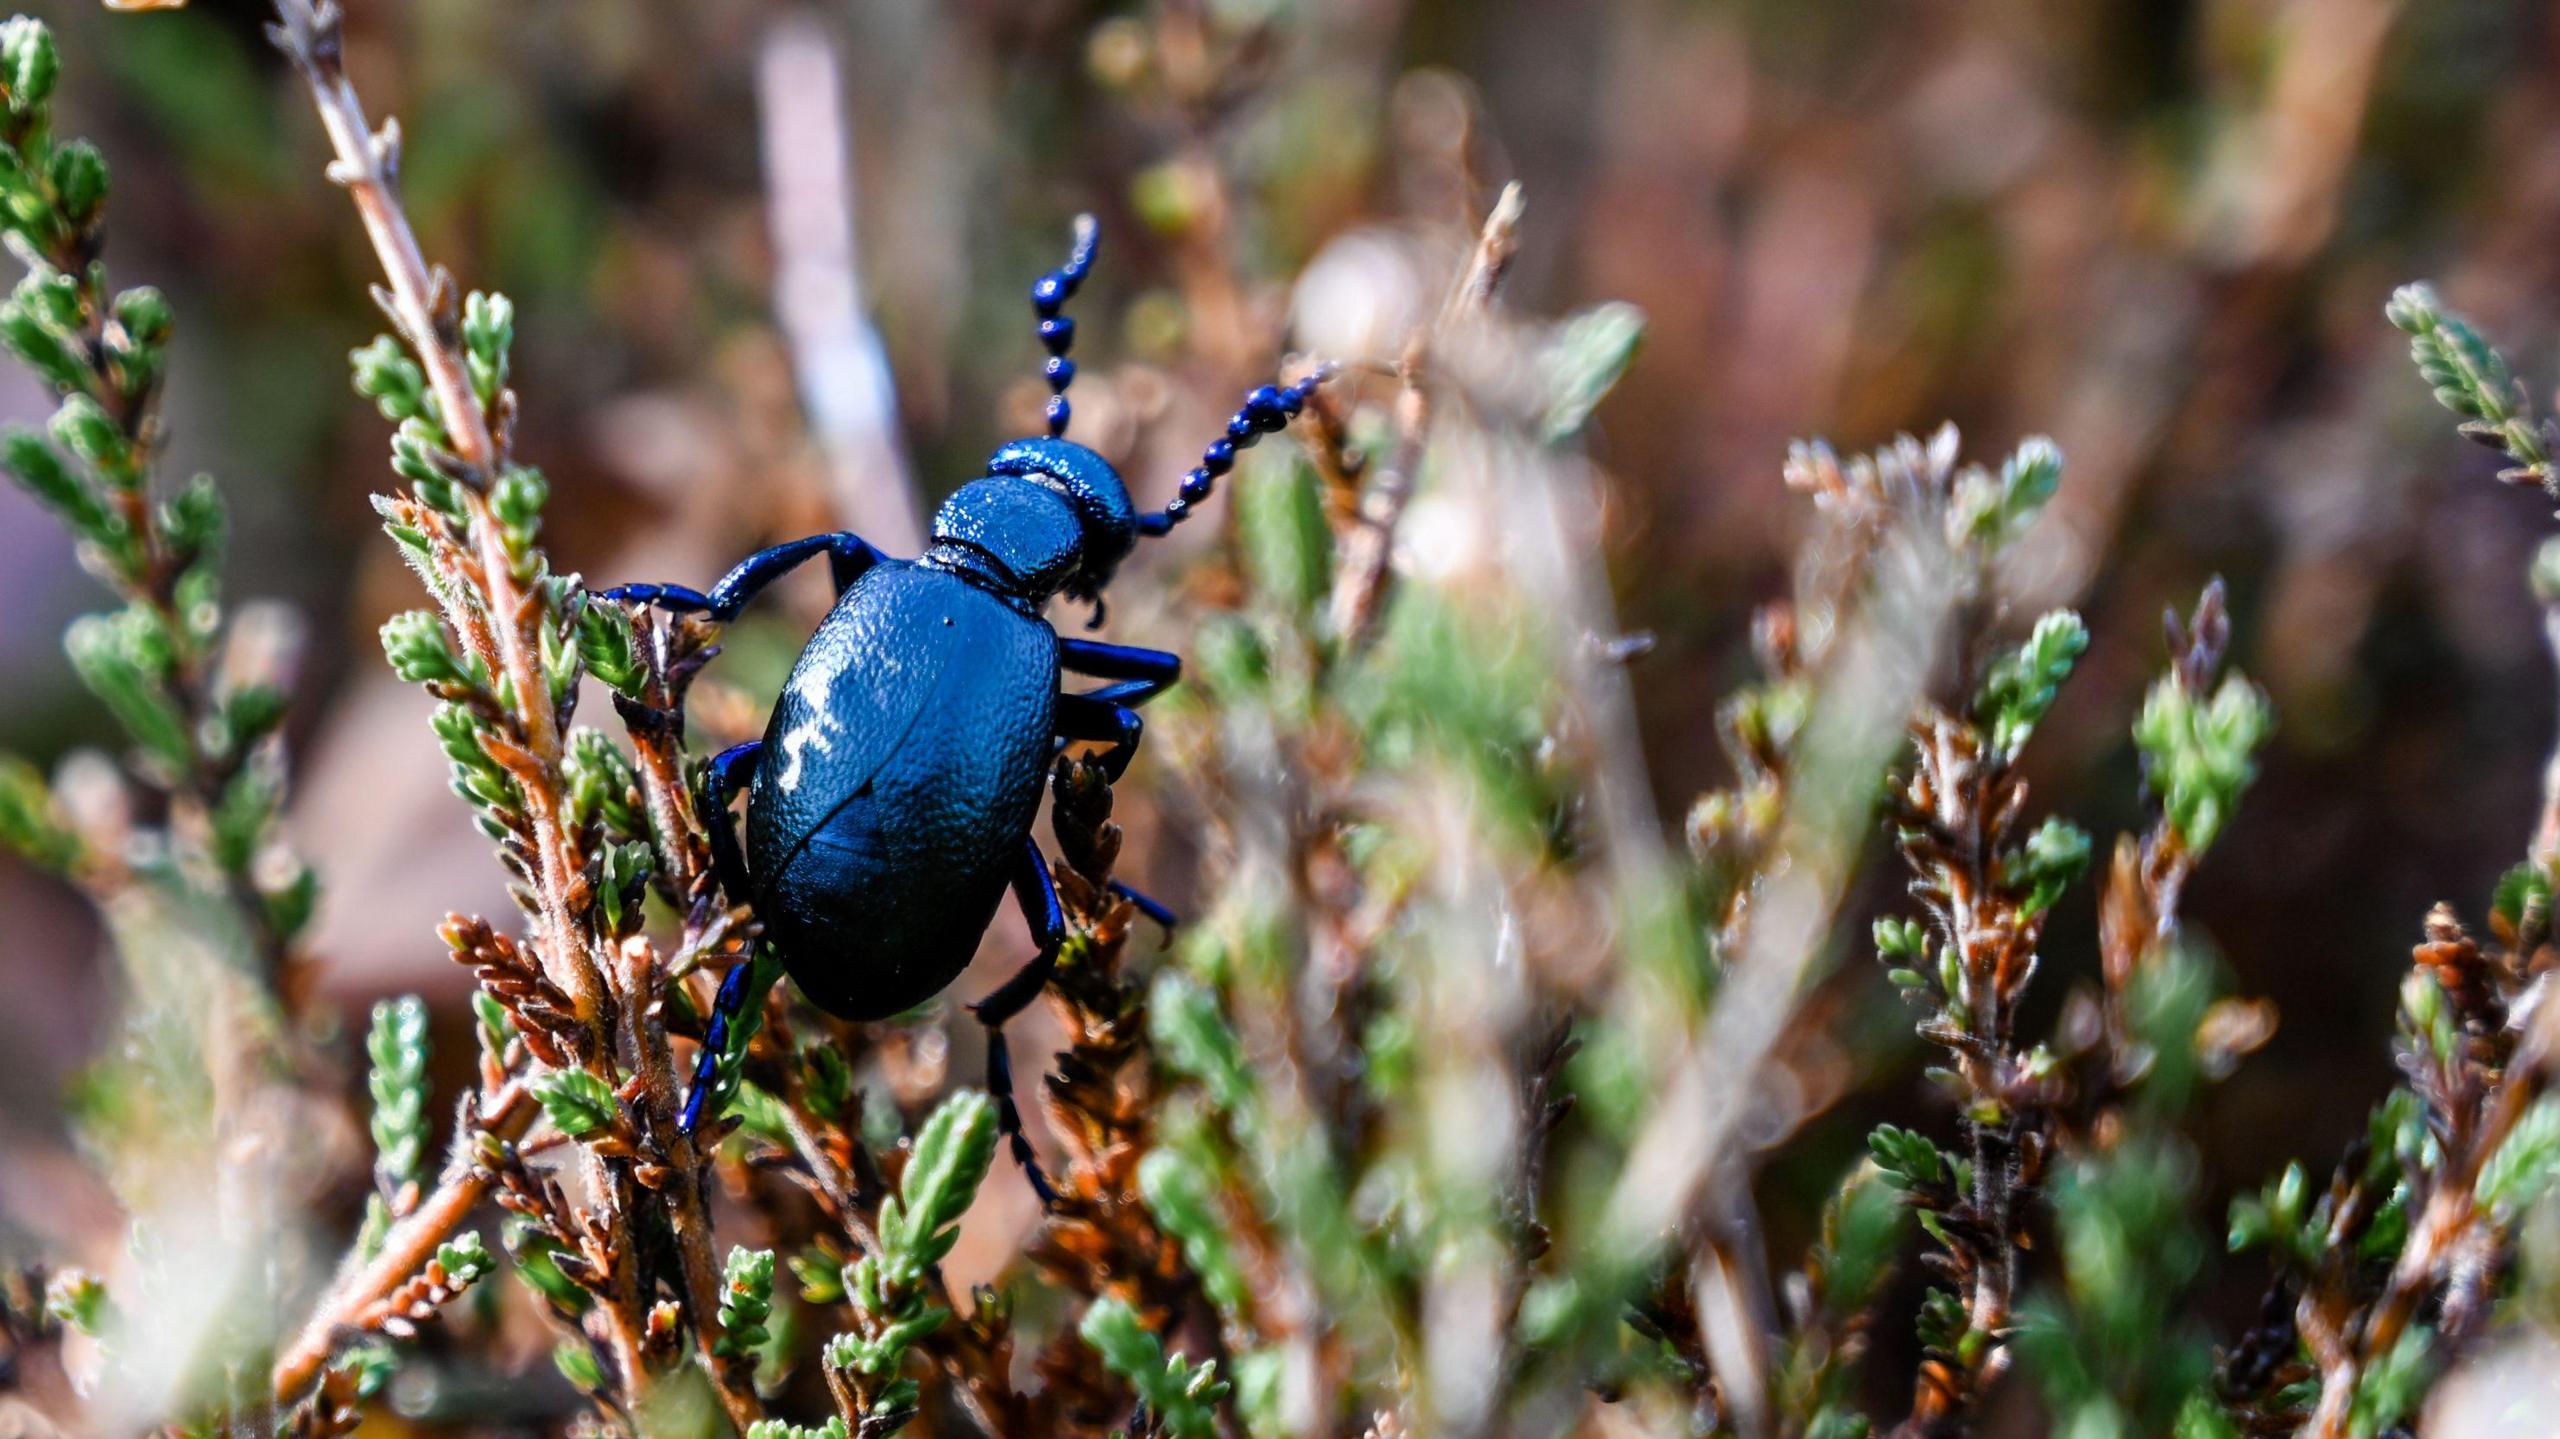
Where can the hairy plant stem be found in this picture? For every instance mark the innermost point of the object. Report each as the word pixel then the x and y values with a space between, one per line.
pixel 352 1303
pixel 621 1020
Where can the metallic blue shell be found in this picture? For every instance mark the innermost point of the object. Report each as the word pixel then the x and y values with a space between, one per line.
pixel 1026 527
pixel 900 775
pixel 1089 482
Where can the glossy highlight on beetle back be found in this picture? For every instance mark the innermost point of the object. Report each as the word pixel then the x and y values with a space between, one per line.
pixel 907 754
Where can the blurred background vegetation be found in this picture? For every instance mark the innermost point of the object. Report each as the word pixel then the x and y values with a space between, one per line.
pixel 2160 232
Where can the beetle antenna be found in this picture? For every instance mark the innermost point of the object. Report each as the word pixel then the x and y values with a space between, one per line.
pixel 1049 296
pixel 1267 410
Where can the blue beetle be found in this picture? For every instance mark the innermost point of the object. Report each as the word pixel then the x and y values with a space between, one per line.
pixel 890 801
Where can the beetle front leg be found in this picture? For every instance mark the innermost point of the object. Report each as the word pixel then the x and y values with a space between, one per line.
pixel 1110 714
pixel 848 555
pixel 1160 668
pixel 1105 716
pixel 722 775
pixel 1037 894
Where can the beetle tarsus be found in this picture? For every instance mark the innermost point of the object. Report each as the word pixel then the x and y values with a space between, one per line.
pixel 1110 714
pixel 715 1039
pixel 1037 893
pixel 848 556
pixel 1009 1116
pixel 675 599
pixel 1152 908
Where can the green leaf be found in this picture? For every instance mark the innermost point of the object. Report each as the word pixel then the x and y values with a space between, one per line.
pixel 2524 1166
pixel 81 426
pixel 29 823
pixel 41 473
pixel 581 1104
pixel 821 1278
pixel 41 344
pixel 2202 1418
pixel 251 713
pixel 78 174
pixel 1911 1160
pixel 397 1046
pixel 624 886
pixel 386 375
pixel 124 661
pixel 2053 859
pixel 371 1366
pixel 1195 1039
pixel 577 1364
pixel 517 500
pixel 951 1158
pixel 2523 889
pixel 77 1298
pixel 1862 1229
pixel 2389 1390
pixel 784 1429
pixel 826 1080
pixel 1288 547
pixel 29 64
pixel 143 314
pixel 2022 686
pixel 538 1269
pixel 2471 379
pixel 192 520
pixel 465 1259
pixel 414 642
pixel 1585 360
pixel 746 1301
pixel 291 903
pixel 1182 1399
pixel 2199 755
pixel 488 330
pixel 1178 1194
pixel 605 644
pixel 602 785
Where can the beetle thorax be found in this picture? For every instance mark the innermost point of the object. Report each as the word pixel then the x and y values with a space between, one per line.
pixel 1022 538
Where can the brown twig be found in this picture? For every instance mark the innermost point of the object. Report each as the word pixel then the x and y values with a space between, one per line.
pixel 2444 1230
pixel 617 1012
pixel 504 1114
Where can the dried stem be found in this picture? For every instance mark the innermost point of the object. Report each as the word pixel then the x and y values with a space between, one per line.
pixel 1368 551
pixel 503 1114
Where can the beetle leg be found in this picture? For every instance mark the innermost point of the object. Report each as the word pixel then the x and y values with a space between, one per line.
pixel 1152 908
pixel 722 777
pixel 736 991
pixel 1037 893
pixel 1106 715
pixel 848 555
pixel 1122 662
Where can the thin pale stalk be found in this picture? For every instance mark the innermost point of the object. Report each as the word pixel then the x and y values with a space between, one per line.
pixel 1368 551
pixel 504 1113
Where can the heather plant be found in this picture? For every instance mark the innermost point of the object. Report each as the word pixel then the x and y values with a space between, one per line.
pixel 1469 1098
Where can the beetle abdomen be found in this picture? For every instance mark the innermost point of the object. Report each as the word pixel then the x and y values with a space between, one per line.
pixel 865 933
pixel 900 776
